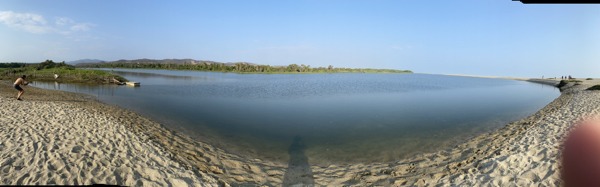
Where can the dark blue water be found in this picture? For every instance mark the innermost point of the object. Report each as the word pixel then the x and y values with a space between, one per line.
pixel 340 117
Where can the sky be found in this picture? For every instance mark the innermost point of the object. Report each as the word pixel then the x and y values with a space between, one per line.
pixel 474 37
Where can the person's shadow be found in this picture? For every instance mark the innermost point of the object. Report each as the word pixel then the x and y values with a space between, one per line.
pixel 298 172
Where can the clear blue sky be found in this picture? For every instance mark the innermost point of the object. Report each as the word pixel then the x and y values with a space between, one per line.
pixel 477 37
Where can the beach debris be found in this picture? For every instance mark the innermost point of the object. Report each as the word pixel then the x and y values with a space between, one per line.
pixel 117 81
pixel 386 171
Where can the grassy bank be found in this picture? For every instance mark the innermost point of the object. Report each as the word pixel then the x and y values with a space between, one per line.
pixel 46 71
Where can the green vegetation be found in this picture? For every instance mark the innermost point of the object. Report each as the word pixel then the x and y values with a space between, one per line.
pixel 565 82
pixel 12 65
pixel 562 83
pixel 595 87
pixel 45 72
pixel 589 79
pixel 238 67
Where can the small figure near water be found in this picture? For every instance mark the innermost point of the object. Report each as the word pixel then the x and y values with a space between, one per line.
pixel 20 81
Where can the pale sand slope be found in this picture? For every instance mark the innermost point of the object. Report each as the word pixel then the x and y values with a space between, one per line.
pixel 58 142
pixel 55 137
pixel 524 153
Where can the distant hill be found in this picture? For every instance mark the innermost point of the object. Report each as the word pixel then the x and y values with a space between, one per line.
pixel 85 61
pixel 144 61
pixel 164 61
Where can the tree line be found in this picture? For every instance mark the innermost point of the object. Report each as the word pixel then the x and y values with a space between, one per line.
pixel 46 71
pixel 242 68
pixel 16 67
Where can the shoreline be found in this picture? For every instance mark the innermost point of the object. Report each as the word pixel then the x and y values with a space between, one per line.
pixel 524 152
pixel 547 81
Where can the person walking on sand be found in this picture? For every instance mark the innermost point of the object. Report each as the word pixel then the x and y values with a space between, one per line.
pixel 20 81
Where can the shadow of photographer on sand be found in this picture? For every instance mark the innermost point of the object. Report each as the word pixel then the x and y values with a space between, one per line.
pixel 298 172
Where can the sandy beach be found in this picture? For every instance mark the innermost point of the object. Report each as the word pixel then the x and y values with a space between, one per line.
pixel 61 138
pixel 55 137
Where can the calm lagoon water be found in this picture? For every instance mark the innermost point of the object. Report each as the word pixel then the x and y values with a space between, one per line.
pixel 342 118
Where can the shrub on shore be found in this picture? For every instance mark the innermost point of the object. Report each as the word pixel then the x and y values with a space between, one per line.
pixel 595 87
pixel 562 83
pixel 565 82
pixel 589 79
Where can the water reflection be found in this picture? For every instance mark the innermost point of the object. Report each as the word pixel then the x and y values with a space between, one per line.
pixel 340 117
pixel 56 85
pixel 298 172
pixel 96 90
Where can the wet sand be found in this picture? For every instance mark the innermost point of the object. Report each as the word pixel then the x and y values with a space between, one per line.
pixel 55 137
